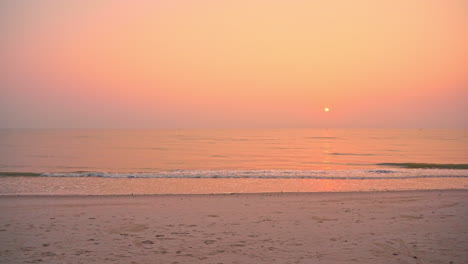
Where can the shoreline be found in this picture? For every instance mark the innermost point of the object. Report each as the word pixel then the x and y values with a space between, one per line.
pixel 228 194
pixel 148 186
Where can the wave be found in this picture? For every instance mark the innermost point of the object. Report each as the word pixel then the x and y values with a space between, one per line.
pixel 427 165
pixel 321 137
pixel 351 154
pixel 23 174
pixel 358 174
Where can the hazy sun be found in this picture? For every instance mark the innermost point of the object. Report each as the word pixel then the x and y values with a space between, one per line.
pixel 326 109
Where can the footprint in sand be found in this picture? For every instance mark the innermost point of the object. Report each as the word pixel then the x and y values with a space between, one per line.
pixel 209 242
pixel 132 228
pixel 396 247
pixel 48 254
pixel 412 217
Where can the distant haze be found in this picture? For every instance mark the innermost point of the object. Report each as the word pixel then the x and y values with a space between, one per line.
pixel 233 64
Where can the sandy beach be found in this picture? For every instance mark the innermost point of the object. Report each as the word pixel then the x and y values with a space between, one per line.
pixel 347 227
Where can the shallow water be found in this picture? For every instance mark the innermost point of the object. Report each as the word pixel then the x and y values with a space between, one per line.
pixel 139 186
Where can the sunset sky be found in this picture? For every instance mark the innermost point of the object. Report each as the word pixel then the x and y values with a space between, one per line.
pixel 233 64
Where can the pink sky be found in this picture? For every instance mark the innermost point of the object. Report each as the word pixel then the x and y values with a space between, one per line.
pixel 233 64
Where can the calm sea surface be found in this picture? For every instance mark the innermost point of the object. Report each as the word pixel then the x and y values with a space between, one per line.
pixel 236 154
pixel 163 150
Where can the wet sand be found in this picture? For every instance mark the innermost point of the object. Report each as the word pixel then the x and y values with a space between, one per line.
pixel 128 186
pixel 344 227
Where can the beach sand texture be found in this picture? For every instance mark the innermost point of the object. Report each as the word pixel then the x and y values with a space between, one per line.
pixel 354 227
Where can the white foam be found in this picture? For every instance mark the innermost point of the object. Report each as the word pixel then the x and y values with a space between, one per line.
pixel 277 174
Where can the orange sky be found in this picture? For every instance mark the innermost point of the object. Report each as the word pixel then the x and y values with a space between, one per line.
pixel 216 64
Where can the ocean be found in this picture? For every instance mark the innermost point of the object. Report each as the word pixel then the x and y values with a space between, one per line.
pixel 357 155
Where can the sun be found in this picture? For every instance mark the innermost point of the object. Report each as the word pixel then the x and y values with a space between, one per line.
pixel 326 109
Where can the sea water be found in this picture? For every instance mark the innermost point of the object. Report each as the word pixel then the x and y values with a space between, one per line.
pixel 333 154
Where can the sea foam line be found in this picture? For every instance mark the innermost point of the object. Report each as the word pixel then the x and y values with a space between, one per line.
pixel 278 174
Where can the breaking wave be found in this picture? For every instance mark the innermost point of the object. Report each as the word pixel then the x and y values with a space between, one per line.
pixel 277 174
